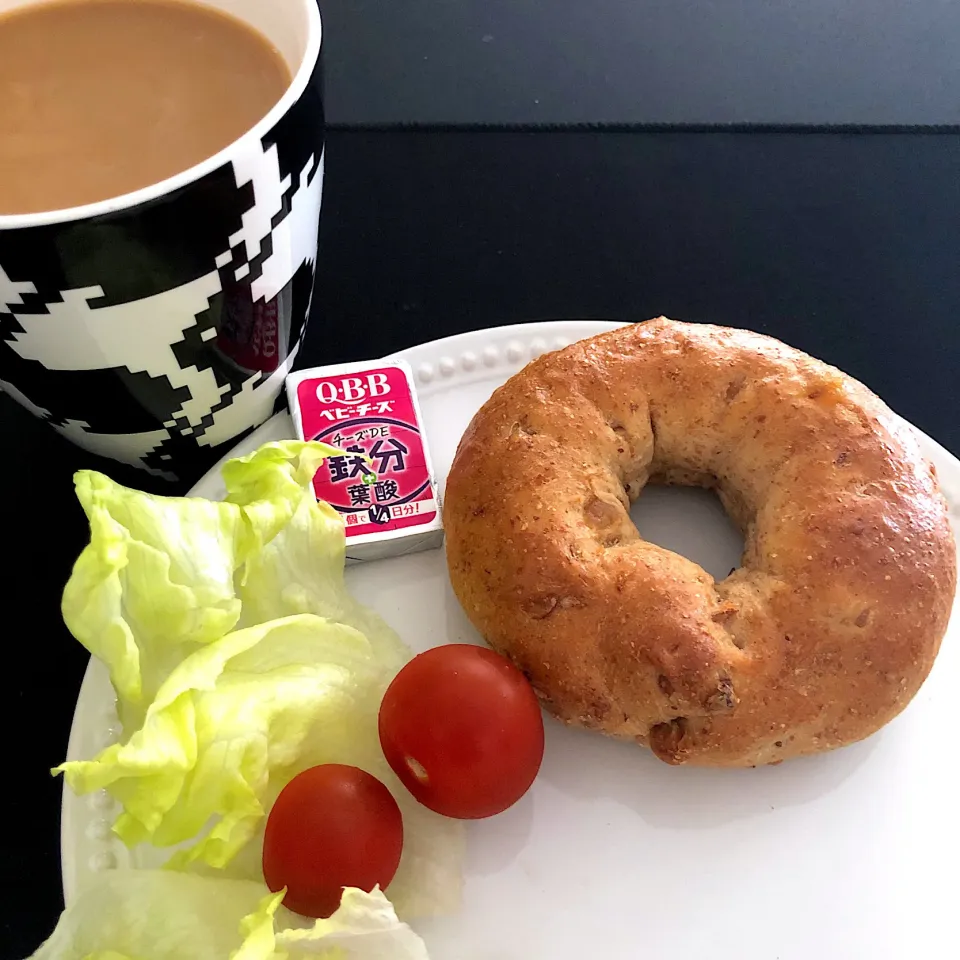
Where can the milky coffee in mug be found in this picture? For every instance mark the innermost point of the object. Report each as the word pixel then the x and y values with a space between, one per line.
pixel 102 97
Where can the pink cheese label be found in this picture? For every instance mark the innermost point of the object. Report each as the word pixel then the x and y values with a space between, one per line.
pixel 382 481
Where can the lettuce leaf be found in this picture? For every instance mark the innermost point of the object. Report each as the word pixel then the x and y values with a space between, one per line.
pixel 302 571
pixel 239 659
pixel 161 915
pixel 364 926
pixel 226 718
pixel 157 580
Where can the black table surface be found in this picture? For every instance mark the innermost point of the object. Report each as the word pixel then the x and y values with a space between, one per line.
pixel 656 62
pixel 846 246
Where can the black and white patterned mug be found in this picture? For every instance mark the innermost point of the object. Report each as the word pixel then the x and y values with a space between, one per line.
pixel 157 327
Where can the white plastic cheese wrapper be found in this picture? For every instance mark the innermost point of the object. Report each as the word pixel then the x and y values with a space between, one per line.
pixel 384 485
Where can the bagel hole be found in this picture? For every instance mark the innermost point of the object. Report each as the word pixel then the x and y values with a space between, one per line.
pixel 691 522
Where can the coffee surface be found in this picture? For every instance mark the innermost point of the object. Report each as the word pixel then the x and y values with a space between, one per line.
pixel 102 97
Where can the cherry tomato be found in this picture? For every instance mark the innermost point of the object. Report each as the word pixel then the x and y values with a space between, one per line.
pixel 462 729
pixel 332 827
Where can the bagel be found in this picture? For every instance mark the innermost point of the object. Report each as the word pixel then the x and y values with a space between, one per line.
pixel 822 635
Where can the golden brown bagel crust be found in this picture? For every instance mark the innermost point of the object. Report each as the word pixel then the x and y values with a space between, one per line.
pixel 825 632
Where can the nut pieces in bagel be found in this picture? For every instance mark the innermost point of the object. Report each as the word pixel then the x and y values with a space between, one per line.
pixel 822 635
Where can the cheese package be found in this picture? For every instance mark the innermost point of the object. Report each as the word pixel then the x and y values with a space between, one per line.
pixel 383 485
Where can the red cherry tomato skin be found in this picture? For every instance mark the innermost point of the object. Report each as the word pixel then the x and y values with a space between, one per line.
pixel 462 729
pixel 332 826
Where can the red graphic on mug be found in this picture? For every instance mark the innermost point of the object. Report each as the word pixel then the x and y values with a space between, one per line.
pixel 250 332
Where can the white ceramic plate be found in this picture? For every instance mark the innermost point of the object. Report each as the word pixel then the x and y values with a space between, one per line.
pixel 846 856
